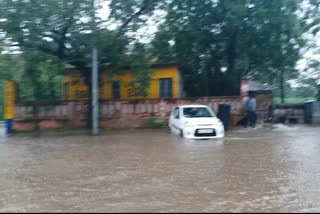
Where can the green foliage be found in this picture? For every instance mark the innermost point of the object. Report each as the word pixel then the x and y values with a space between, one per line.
pixel 295 100
pixel 131 15
pixel 38 77
pixel 1 102
pixel 61 29
pixel 307 90
pixel 9 70
pixel 216 42
pixel 41 77
pixel 55 36
pixel 155 124
pixel 213 42
pixel 141 72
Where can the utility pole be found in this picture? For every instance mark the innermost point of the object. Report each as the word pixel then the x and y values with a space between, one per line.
pixel 94 75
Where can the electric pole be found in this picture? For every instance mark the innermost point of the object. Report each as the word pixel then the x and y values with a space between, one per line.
pixel 94 75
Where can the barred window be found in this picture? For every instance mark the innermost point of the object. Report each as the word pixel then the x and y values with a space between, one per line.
pixel 116 89
pixel 165 88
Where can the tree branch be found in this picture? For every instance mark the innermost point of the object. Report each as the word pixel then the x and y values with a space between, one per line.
pixel 143 9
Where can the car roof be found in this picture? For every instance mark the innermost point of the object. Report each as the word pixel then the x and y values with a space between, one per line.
pixel 192 106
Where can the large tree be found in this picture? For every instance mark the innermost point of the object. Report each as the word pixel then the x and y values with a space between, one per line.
pixel 61 30
pixel 62 27
pixel 216 42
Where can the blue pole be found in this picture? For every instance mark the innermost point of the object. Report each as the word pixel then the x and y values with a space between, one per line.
pixel 9 125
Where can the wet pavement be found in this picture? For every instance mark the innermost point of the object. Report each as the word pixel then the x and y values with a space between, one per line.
pixel 260 170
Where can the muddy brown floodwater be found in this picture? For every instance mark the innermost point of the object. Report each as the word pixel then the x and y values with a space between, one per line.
pixel 260 170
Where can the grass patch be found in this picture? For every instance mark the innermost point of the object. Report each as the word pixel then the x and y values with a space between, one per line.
pixel 156 124
pixel 277 100
pixel 24 132
pixel 55 131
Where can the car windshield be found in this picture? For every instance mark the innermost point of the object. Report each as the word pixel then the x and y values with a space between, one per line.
pixel 192 112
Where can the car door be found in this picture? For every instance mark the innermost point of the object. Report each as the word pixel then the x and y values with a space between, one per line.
pixel 176 119
pixel 171 119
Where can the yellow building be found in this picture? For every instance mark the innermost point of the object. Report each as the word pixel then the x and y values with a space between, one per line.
pixel 165 82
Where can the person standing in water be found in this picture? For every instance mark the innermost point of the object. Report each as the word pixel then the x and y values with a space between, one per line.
pixel 251 111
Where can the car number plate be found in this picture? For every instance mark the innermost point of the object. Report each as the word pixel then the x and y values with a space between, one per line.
pixel 205 131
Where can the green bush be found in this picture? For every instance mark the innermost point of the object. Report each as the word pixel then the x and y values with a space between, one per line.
pixel 1 100
pixel 277 100
pixel 156 124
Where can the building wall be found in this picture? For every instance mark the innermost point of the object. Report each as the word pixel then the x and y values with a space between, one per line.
pixel 117 113
pixel 77 90
pixel 316 113
pixel 75 86
pixel 263 98
pixel 129 113
pixel 263 101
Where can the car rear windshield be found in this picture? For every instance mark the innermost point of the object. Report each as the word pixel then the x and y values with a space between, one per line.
pixel 192 112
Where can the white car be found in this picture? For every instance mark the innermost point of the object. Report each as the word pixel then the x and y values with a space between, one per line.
pixel 195 122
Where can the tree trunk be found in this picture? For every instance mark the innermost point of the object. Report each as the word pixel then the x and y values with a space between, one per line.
pixel 282 89
pixel 209 79
pixel 206 82
pixel 87 75
pixel 89 121
pixel 231 60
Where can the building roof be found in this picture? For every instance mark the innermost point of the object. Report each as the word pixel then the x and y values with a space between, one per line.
pixel 157 65
pixel 192 106
pixel 256 86
pixel 71 68
pixel 160 65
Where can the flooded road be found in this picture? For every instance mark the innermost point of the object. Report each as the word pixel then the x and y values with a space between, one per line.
pixel 258 170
